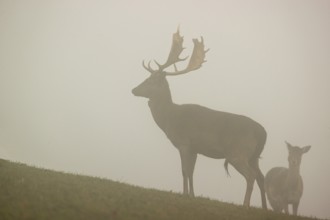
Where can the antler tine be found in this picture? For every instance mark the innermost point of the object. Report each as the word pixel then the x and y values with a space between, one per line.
pixel 196 60
pixel 148 68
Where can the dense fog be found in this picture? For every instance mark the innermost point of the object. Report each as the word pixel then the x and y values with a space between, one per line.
pixel 67 69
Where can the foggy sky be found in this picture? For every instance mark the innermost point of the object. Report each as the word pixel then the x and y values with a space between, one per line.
pixel 67 69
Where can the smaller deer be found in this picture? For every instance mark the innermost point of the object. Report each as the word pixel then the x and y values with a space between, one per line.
pixel 284 186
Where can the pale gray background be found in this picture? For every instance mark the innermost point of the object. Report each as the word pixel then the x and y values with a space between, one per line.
pixel 67 69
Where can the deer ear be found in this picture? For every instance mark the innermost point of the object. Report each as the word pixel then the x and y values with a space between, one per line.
pixel 306 149
pixel 289 146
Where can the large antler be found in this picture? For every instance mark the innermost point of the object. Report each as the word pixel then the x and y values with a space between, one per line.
pixel 195 62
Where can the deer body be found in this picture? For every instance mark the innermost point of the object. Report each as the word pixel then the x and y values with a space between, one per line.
pixel 284 186
pixel 194 129
pixel 206 131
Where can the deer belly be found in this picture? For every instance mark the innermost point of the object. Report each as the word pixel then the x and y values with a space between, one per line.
pixel 208 146
pixel 205 144
pixel 212 153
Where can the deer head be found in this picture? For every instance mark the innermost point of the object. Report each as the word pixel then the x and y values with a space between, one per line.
pixel 156 85
pixel 295 155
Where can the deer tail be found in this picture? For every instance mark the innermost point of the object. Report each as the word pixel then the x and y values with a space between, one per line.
pixel 226 167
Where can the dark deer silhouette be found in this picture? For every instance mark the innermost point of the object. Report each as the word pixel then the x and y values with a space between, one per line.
pixel 194 129
pixel 284 186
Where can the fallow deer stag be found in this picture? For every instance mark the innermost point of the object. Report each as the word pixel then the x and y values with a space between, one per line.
pixel 194 129
pixel 284 186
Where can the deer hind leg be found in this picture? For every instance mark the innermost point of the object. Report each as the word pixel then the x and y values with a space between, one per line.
pixel 286 209
pixel 261 183
pixel 188 161
pixel 244 168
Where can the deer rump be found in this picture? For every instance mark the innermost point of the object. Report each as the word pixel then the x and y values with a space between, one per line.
pixel 213 133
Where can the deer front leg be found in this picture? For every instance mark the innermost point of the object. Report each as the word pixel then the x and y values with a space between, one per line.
pixel 295 208
pixel 188 161
pixel 192 162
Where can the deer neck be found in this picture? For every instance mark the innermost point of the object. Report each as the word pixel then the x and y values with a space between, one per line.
pixel 161 108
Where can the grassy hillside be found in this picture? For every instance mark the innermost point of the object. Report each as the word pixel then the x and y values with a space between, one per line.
pixel 32 193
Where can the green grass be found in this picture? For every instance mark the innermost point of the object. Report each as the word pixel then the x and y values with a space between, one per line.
pixel 32 193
